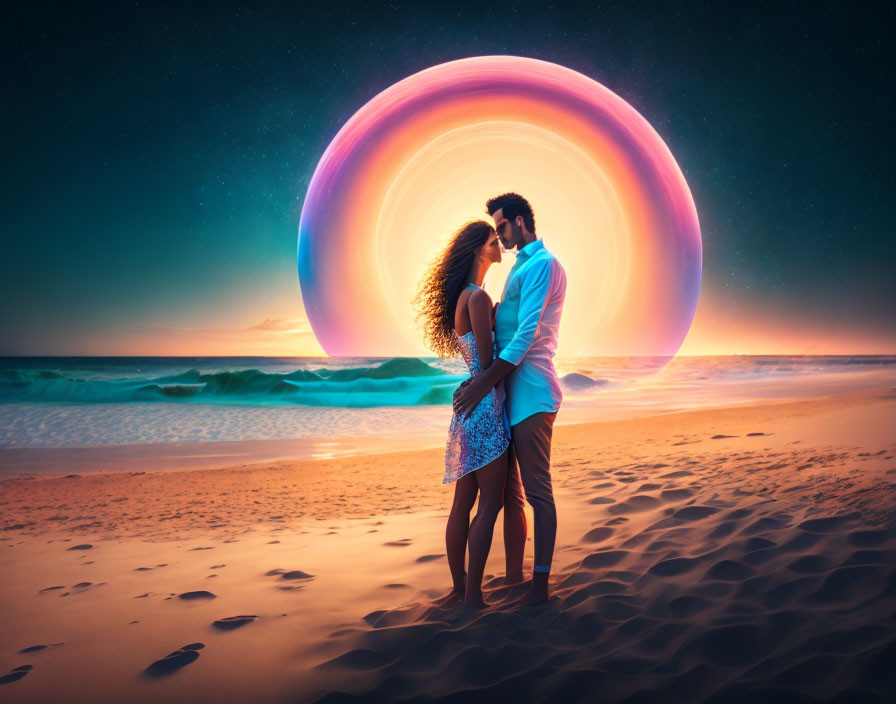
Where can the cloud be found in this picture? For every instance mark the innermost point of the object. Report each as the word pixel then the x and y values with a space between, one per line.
pixel 281 325
pixel 269 326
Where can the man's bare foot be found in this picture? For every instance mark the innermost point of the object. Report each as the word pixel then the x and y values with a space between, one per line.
pixel 538 590
pixel 533 597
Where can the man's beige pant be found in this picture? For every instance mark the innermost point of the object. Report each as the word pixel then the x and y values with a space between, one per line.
pixel 531 441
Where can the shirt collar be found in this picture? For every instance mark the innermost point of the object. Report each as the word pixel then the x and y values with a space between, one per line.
pixel 529 249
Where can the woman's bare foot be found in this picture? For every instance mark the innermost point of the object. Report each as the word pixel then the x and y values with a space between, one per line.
pixel 513 578
pixel 451 598
pixel 475 601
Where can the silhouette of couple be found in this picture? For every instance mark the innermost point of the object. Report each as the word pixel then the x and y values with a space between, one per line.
pixel 499 440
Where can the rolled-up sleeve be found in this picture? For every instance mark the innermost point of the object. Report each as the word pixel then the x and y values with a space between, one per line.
pixel 535 291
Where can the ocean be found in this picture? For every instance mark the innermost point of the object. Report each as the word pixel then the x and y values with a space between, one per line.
pixel 64 402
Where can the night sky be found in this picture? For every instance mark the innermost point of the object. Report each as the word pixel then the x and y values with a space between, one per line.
pixel 156 158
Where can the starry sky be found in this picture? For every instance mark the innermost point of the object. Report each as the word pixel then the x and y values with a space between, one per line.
pixel 157 157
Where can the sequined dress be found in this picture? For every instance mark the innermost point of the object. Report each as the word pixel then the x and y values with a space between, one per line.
pixel 481 438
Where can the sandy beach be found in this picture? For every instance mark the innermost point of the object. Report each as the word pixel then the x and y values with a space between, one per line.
pixel 730 554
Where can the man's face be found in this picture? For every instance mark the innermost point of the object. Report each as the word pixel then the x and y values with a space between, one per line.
pixel 509 234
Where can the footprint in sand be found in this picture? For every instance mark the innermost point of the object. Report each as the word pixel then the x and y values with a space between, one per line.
pixel 676 494
pixel 739 513
pixel 722 437
pixel 673 566
pixel 828 525
pixel 81 547
pixel 762 525
pixel 867 557
pixel 676 474
pixel 634 505
pixel 607 558
pixel 867 538
pixel 758 544
pixel 174 661
pixel 597 535
pixel 291 575
pixel 686 606
pixel 403 543
pixel 16 673
pixel 616 609
pixel 296 574
pixel 694 513
pixel 231 623
pixel 197 595
pixel 809 564
pixel 847 584
pixel 429 558
pixel 729 571
pixel 732 646
pixel 81 586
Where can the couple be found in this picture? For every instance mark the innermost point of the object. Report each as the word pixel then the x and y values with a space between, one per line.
pixel 504 413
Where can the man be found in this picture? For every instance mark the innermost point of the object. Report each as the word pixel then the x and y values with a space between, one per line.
pixel 526 325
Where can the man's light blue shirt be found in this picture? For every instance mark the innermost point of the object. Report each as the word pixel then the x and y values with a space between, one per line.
pixel 526 327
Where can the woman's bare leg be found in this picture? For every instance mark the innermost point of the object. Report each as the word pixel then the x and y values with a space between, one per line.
pixel 457 529
pixel 514 521
pixel 491 479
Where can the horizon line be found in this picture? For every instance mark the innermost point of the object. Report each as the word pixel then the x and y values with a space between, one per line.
pixel 280 356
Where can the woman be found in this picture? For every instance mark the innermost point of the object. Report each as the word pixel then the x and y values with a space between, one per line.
pixel 458 317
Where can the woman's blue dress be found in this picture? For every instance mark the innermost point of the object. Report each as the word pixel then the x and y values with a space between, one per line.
pixel 481 438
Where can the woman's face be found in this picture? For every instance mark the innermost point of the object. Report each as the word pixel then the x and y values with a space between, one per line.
pixel 491 250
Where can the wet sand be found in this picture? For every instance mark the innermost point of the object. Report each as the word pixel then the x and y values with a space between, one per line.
pixel 715 555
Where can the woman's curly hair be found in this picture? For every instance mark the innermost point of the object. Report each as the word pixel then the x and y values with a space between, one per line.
pixel 441 286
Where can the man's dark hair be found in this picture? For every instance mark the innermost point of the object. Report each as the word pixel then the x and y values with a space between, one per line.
pixel 512 205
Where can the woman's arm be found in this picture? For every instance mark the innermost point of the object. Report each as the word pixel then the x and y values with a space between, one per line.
pixel 479 306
